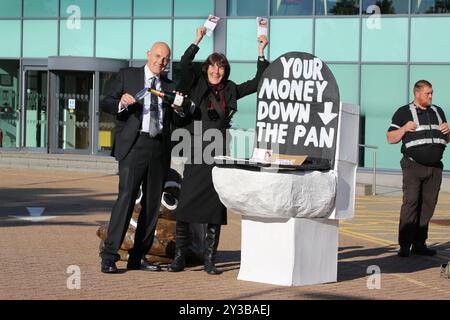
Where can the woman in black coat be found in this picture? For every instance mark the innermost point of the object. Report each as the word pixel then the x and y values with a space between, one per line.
pixel 215 98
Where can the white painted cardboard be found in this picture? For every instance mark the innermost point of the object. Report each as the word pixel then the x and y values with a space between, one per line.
pixel 289 252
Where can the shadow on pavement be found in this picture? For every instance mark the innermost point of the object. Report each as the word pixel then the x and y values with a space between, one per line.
pixel 353 262
pixel 12 223
pixel 71 201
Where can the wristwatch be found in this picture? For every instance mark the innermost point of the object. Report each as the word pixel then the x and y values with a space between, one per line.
pixel 261 58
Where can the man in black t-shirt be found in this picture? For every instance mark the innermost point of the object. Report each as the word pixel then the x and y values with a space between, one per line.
pixel 424 132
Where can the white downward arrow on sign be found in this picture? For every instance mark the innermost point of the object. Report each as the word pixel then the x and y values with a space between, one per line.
pixel 326 115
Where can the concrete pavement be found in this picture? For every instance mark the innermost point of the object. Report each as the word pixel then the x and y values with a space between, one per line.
pixel 55 249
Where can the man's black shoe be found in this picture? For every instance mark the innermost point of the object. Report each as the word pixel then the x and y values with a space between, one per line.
pixel 404 252
pixel 144 264
pixel 423 251
pixel 108 266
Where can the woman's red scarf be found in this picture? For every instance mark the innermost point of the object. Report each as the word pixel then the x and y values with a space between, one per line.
pixel 218 91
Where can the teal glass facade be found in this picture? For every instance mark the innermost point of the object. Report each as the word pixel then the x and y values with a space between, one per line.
pixel 82 8
pixel 142 39
pixel 76 41
pixel 108 31
pixel 10 8
pixel 375 53
pixel 113 8
pixel 152 8
pixel 10 31
pixel 40 8
pixel 393 32
pixel 337 39
pixel 183 34
pixel 40 38
pixel 282 42
pixel 241 33
pixel 193 8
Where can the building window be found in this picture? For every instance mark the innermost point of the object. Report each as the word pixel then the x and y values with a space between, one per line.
pixel 348 81
pixel 40 38
pixel 160 30
pixel 10 35
pixel 183 34
pixel 337 39
pixel 385 6
pixel 337 7
pixel 246 117
pixel 248 8
pixel 291 7
pixel 76 41
pixel 375 37
pixel 430 31
pixel 10 8
pixel 241 40
pixel 430 6
pixel 193 8
pixel 9 104
pixel 40 8
pixel 152 8
pixel 383 90
pixel 77 8
pixel 281 40
pixel 113 8
pixel 108 31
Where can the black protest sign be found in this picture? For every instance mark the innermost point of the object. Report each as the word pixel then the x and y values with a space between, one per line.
pixel 298 106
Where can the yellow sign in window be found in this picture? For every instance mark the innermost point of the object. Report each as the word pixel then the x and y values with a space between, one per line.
pixel 105 138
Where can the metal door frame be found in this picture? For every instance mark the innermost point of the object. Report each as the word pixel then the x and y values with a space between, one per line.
pixel 80 64
pixel 19 110
pixel 25 66
pixel 55 81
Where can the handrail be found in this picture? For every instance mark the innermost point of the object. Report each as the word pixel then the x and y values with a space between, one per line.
pixel 374 166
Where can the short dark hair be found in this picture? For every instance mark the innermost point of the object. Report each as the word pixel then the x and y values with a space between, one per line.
pixel 421 84
pixel 220 60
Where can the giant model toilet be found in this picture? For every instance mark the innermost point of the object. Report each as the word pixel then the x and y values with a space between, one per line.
pixel 301 179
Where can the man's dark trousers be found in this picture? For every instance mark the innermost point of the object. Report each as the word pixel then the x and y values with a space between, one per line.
pixel 421 185
pixel 143 164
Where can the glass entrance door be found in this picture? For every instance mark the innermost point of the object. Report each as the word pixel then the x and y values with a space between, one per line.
pixel 9 104
pixel 74 101
pixel 35 108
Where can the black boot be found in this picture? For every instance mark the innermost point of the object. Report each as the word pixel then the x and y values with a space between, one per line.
pixel 211 244
pixel 182 241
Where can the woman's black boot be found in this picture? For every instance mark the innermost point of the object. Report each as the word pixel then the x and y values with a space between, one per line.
pixel 211 244
pixel 182 241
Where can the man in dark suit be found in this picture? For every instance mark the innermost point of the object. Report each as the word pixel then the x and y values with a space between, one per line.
pixel 142 147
